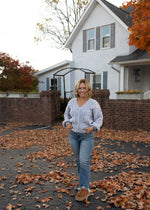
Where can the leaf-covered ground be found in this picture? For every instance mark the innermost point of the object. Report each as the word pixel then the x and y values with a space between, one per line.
pixel 38 169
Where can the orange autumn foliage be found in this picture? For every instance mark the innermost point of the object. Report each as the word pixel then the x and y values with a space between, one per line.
pixel 140 29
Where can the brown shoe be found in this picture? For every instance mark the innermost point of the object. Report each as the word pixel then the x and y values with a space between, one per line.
pixel 77 187
pixel 82 195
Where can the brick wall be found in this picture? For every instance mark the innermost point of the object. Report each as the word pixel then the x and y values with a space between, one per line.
pixel 123 114
pixel 118 114
pixel 31 110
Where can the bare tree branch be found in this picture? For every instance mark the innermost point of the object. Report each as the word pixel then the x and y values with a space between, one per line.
pixel 59 19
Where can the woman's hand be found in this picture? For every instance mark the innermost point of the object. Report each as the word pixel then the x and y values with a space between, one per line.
pixel 89 130
pixel 69 126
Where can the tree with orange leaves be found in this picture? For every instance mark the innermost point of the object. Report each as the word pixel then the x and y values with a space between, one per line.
pixel 140 29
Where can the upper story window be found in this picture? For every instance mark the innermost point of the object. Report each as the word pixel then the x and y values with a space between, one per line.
pixel 91 39
pixel 99 38
pixel 106 36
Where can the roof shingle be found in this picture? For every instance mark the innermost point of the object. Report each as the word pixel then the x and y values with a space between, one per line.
pixel 124 15
pixel 136 55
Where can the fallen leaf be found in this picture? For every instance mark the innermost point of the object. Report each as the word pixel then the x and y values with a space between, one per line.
pixel 60 196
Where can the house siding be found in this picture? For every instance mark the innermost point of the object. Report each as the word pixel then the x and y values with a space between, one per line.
pixel 44 75
pixel 98 60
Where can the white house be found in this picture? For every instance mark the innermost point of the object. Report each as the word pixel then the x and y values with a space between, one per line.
pixel 99 43
pixel 47 81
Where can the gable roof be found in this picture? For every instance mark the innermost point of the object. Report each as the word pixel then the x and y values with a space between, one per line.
pixel 138 56
pixel 54 67
pixel 120 15
pixel 124 15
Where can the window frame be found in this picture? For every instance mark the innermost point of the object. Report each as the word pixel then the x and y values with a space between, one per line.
pixel 96 83
pixel 93 38
pixel 52 84
pixel 99 38
pixel 102 37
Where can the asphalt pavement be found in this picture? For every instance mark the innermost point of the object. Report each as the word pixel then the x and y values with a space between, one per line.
pixel 56 191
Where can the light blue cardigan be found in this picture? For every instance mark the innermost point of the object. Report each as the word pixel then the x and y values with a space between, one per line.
pixel 90 114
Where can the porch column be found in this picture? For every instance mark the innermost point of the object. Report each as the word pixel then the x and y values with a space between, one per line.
pixel 122 78
pixel 126 78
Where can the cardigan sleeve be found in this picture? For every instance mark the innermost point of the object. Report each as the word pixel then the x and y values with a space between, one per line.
pixel 67 116
pixel 97 117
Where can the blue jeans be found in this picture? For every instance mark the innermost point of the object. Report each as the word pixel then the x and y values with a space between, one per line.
pixel 82 145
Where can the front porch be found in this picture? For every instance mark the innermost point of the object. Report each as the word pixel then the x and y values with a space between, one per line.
pixel 134 75
pixel 134 78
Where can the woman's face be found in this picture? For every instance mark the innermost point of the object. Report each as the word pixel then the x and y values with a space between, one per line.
pixel 82 90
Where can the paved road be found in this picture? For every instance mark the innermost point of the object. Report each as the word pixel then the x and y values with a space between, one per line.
pixel 54 193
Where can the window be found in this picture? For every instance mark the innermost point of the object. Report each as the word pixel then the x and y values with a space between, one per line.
pixel 91 39
pixel 97 81
pixel 106 36
pixel 53 84
pixel 99 38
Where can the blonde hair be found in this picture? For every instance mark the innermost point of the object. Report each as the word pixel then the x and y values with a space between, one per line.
pixel 87 85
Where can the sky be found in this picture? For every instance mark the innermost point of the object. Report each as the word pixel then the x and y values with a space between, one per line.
pixel 18 19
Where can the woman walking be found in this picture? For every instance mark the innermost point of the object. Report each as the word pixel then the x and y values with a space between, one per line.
pixel 82 117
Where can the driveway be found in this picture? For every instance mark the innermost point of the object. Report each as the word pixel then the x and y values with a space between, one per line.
pixel 38 169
